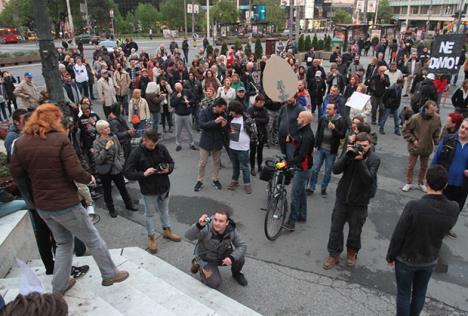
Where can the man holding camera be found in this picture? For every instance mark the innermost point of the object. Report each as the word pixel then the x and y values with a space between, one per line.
pixel 151 164
pixel 219 244
pixel 359 166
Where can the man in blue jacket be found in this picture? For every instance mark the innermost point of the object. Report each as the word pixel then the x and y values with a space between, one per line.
pixel 452 153
pixel 213 124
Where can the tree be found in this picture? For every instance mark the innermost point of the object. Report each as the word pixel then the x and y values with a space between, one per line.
pixel 327 43
pixel 342 17
pixel 224 49
pixel 238 45
pixel 209 50
pixel 385 13
pixel 315 42
pixel 224 11
pixel 321 44
pixel 248 49
pixel 147 15
pixel 308 43
pixel 258 49
pixel 301 44
pixel 172 13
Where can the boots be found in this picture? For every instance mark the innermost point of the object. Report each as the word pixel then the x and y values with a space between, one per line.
pixel 152 244
pixel 168 234
pixel 112 211
pixel 351 257
pixel 330 262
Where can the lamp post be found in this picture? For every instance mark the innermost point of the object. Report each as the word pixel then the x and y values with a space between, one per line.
pixel 208 19
pixel 70 21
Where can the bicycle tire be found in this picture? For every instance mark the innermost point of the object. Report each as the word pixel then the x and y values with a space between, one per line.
pixel 275 216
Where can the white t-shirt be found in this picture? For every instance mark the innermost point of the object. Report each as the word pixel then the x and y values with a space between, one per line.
pixel 238 138
pixel 81 74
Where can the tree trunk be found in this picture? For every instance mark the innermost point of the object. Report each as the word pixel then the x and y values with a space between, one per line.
pixel 49 55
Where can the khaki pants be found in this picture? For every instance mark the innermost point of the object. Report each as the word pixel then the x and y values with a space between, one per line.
pixel 204 154
pixel 408 84
pixel 423 161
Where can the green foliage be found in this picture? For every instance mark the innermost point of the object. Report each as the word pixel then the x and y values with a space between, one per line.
pixel 172 13
pixel 147 15
pixel 258 49
pixel 342 17
pixel 274 13
pixel 17 13
pixel 301 44
pixel 321 44
pixel 224 49
pixel 327 43
pixel 224 11
pixel 19 53
pixel 385 14
pixel 315 42
pixel 308 43
pixel 209 50
pixel 238 45
pixel 4 167
pixel 124 25
pixel 248 49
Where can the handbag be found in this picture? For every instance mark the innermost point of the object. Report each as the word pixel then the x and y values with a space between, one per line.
pixel 104 169
pixel 135 119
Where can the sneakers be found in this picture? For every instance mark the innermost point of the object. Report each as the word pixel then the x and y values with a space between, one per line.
pixel 233 185
pixel 351 257
pixel 309 191
pixel 198 186
pixel 324 192
pixel 240 278
pixel 397 133
pixel 406 187
pixel 248 189
pixel 118 277
pixel 423 188
pixel 152 244
pixel 90 210
pixel 71 283
pixel 113 212
pixel 451 235
pixel 217 184
pixel 195 266
pixel 382 131
pixel 289 226
pixel 192 147
pixel 178 148
pixel 330 262
pixel 168 234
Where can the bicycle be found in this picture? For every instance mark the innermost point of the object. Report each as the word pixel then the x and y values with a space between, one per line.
pixel 278 175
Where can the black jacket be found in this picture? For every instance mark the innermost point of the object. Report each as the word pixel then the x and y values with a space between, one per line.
pixel 317 89
pixel 213 136
pixel 359 181
pixel 119 128
pixel 141 159
pixel 261 118
pixel 417 237
pixel 179 105
pixel 392 97
pixel 338 133
pixel 304 142
pixel 428 91
pixel 377 86
pixel 460 104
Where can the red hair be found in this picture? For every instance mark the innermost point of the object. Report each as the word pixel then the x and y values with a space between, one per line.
pixel 46 118
pixel 457 119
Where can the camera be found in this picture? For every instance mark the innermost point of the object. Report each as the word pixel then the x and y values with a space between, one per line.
pixel 161 166
pixel 355 150
pixel 208 220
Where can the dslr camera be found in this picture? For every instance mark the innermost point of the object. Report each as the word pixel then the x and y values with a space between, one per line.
pixel 355 150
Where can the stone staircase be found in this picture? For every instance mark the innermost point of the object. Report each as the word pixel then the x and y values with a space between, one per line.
pixel 153 288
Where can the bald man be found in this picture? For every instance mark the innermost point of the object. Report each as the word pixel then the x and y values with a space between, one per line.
pixel 303 142
pixel 182 102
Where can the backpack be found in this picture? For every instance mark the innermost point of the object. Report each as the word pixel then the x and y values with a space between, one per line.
pixel 416 98
pixel 446 154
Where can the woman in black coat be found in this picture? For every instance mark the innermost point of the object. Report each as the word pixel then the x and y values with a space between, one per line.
pixel 260 115
pixel 460 99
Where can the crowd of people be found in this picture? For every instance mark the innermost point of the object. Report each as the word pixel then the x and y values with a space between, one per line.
pixel 220 95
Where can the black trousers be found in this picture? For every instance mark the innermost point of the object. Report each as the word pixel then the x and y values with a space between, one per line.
pixel 106 110
pixel 210 273
pixel 343 213
pixel 46 242
pixel 166 117
pixel 457 194
pixel 120 183
pixel 256 149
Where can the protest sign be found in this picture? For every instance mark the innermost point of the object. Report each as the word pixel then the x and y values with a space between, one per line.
pixel 279 80
pixel 358 100
pixel 445 53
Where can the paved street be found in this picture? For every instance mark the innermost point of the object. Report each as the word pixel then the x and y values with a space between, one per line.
pixel 286 276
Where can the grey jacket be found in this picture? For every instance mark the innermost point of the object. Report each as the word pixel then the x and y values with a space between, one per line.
pixel 214 248
pixel 114 155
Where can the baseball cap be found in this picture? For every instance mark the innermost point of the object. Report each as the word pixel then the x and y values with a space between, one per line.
pixel 28 74
pixel 431 76
pixel 241 88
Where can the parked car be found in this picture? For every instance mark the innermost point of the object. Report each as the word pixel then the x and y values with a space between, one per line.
pixel 88 38
pixel 109 45
pixel 30 36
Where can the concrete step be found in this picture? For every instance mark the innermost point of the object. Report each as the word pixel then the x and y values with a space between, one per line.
pixel 220 303
pixel 80 300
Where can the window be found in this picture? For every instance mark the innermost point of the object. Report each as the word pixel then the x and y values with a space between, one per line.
pixel 396 10
pixel 414 10
pixel 436 9
pixel 424 10
pixel 403 10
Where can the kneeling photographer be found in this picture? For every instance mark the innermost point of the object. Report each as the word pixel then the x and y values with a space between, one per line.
pixel 359 166
pixel 219 244
pixel 150 164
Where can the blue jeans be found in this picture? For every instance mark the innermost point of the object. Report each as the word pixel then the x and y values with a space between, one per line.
pixel 11 207
pixel 156 120
pixel 155 203
pixel 240 161
pixel 411 288
pixel 140 128
pixel 322 155
pixel 123 99
pixel 298 195
pixel 396 119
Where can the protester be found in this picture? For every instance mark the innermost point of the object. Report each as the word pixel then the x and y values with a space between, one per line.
pixel 139 112
pixel 417 239
pixel 27 92
pixel 14 130
pixel 81 76
pixel 218 244
pixel 317 88
pixel 110 161
pixel 55 194
pixel 287 125
pixel 106 91
pixel 122 85
pixel 151 164
pixel 119 128
pixel 392 100
pixel 182 102
pixel 460 99
pixel 378 84
pixel 226 91
pixel 359 166
pixel 260 116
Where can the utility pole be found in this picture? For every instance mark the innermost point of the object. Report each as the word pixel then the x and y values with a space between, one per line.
pixel 48 54
pixel 291 17
pixel 208 19
pixel 70 21
pixel 185 17
pixel 376 12
pixel 460 13
pixel 407 14
pixel 193 18
pixel 298 25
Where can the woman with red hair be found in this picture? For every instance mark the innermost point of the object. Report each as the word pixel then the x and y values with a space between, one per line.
pixel 45 156
pixel 452 125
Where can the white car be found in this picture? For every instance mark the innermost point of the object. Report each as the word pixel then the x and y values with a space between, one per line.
pixel 109 45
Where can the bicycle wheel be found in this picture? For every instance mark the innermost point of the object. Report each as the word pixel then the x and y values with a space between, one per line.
pixel 275 216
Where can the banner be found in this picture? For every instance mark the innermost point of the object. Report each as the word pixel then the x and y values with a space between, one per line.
pixel 371 6
pixel 445 53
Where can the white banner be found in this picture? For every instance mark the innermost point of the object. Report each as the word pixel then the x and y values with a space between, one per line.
pixel 360 5
pixel 371 6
